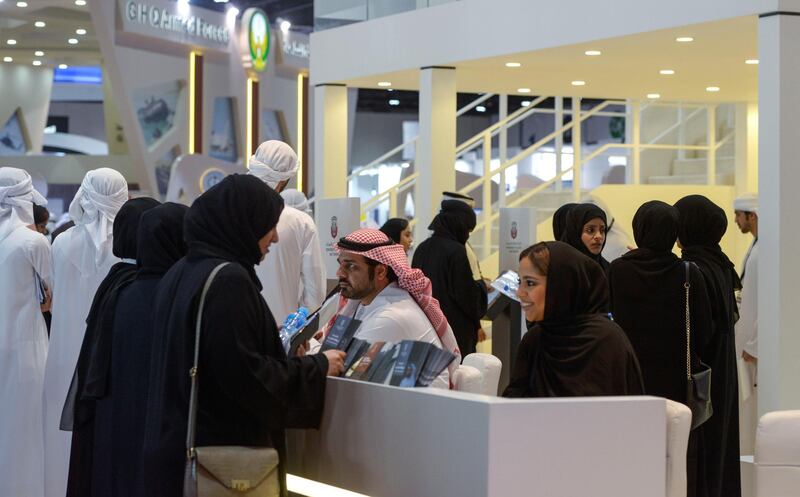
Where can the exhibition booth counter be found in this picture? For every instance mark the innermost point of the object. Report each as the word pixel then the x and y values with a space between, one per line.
pixel 385 441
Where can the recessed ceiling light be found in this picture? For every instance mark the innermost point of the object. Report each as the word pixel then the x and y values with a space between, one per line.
pixel 40 24
pixel 525 103
pixel 513 64
pixel 653 95
pixel 752 62
pixel 37 62
pixel 384 84
pixel 72 41
pixel 394 102
pixel 62 66
pixel 480 108
pixel 22 5
pixel 578 82
pixel 684 39
pixel 80 31
pixel 667 72
pixel 38 53
pixel 7 59
pixel 80 3
pixel 712 89
pixel 593 53
pixel 523 90
pixel 11 42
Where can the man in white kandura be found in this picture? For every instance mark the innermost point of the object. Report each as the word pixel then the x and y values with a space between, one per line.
pixel 393 301
pixel 82 257
pixel 746 211
pixel 25 280
pixel 293 272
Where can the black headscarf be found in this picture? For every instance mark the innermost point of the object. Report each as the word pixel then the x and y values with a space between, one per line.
pixel 576 350
pixel 126 224
pixel 394 227
pixel 455 220
pixel 655 229
pixel 161 241
pixel 560 220
pixel 576 218
pixel 230 218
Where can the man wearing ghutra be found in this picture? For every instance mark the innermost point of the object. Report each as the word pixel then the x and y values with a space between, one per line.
pixel 392 300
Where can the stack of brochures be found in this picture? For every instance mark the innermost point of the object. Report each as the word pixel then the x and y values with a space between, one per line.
pixel 405 364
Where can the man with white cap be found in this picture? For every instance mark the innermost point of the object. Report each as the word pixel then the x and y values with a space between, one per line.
pixel 746 211
pixel 297 199
pixel 82 256
pixel 25 258
pixel 293 272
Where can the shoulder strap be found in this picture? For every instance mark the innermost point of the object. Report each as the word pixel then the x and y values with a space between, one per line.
pixel 190 431
pixel 686 286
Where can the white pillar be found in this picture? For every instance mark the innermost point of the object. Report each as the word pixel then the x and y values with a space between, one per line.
pixel 746 140
pixel 577 157
pixel 330 141
pixel 559 123
pixel 779 238
pixel 636 153
pixel 436 147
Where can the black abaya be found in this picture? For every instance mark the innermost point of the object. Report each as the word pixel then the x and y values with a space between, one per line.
pixel 576 350
pixel 249 392
pixel 576 218
pixel 702 226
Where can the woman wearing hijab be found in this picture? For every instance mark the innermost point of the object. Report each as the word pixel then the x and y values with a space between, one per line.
pixel 82 258
pixel 560 220
pixel 585 230
pixel 702 226
pixel 443 259
pixel 399 230
pixel 249 391
pixel 87 385
pixel 573 348
pixel 648 301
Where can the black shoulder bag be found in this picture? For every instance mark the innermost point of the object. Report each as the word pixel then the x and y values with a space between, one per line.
pixel 698 384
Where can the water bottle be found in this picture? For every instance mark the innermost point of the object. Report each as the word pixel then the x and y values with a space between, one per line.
pixel 294 323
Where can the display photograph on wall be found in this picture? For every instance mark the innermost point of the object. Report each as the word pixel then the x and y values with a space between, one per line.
pixel 12 139
pixel 163 168
pixel 155 109
pixel 273 125
pixel 223 130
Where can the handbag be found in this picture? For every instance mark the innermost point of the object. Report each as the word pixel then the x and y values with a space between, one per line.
pixel 698 384
pixel 224 471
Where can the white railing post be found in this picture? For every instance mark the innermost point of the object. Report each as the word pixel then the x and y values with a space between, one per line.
pixel 487 194
pixel 636 110
pixel 559 123
pixel 392 203
pixel 711 155
pixel 576 149
pixel 681 131
pixel 503 149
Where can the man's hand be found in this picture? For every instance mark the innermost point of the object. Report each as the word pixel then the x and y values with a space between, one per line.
pixel 48 300
pixel 481 335
pixel 749 358
pixel 335 362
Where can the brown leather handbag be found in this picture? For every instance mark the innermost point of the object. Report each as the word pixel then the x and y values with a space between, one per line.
pixel 224 471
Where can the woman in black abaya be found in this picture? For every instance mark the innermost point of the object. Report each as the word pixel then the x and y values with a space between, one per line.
pixel 249 391
pixel 648 302
pixel 573 349
pixel 585 230
pixel 80 406
pixel 702 226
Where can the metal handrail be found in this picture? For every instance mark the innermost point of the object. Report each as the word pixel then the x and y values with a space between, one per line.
pixel 520 113
pixel 382 196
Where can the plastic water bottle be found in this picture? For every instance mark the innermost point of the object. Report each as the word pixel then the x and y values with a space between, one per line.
pixel 294 323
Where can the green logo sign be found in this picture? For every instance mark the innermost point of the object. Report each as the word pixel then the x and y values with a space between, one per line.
pixel 258 38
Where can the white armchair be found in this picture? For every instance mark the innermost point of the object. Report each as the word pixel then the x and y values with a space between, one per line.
pixel 679 424
pixel 777 457
pixel 467 379
pixel 489 367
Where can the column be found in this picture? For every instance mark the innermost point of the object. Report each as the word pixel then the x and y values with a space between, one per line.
pixel 746 141
pixel 779 238
pixel 330 141
pixel 436 146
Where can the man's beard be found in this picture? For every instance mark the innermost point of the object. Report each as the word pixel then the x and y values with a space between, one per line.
pixel 356 294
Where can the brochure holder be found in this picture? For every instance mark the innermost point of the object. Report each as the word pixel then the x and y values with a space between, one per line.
pixel 505 314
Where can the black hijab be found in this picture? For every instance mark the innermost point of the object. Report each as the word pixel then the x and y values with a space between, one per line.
pixel 394 227
pixel 655 229
pixel 126 225
pixel 455 220
pixel 576 218
pixel 228 220
pixel 161 241
pixel 560 220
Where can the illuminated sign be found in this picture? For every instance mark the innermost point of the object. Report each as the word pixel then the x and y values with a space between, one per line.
pixel 258 37
pixel 163 20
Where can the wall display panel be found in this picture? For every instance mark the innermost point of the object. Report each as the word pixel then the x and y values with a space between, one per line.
pixel 223 130
pixel 273 126
pixel 164 168
pixel 155 109
pixel 12 138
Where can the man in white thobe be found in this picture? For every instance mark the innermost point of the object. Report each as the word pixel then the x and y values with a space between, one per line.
pixel 746 211
pixel 82 257
pixel 26 262
pixel 293 272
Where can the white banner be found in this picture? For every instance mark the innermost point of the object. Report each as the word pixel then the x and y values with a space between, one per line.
pixel 517 232
pixel 335 218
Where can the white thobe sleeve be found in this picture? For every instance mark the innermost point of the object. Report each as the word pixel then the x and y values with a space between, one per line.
pixel 748 312
pixel 312 271
pixel 40 256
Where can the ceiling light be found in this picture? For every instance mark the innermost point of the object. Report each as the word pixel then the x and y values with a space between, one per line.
pixel 653 95
pixel 80 31
pixel 38 53
pixel 384 84
pixel 285 26
pixel 593 53
pixel 666 72
pixel 525 103
pixel 220 1
pixel 80 3
pixel 578 82
pixel 513 64
pixel 22 5
pixel 752 62
pixel 11 42
pixel 712 89
pixel 40 24
pixel 405 165
pixel 7 59
pixel 62 66
pixel 231 13
pixel 37 62
pixel 480 108
pixel 394 102
pixel 684 39
pixel 183 7
pixel 390 89
pixel 523 90
pixel 72 41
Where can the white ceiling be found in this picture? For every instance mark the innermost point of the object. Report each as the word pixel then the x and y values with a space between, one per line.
pixel 628 67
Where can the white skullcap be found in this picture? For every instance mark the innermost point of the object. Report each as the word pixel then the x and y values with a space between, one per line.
pixel 273 162
pixel 297 199
pixel 457 196
pixel 17 197
pixel 99 198
pixel 746 203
